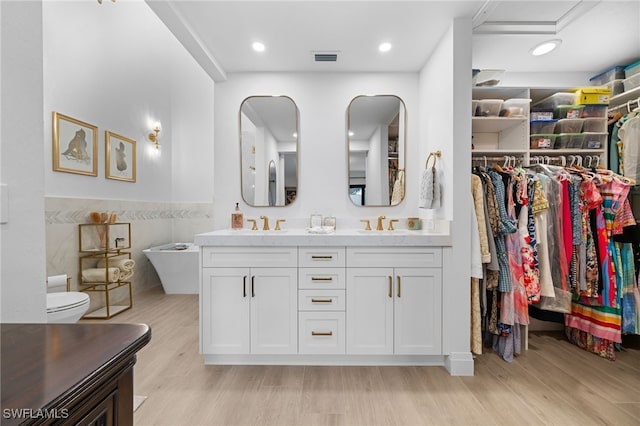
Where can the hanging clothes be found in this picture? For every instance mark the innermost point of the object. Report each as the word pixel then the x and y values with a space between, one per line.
pixel 550 233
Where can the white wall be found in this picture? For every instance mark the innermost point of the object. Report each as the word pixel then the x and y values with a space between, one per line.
pixel 322 100
pixel 22 162
pixel 116 66
pixel 445 104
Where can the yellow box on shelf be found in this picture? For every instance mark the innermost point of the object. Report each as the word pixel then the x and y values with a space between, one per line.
pixel 593 95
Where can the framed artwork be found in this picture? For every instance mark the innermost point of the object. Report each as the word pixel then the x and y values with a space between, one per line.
pixel 75 146
pixel 120 157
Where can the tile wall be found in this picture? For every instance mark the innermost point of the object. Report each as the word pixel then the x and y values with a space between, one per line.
pixel 152 224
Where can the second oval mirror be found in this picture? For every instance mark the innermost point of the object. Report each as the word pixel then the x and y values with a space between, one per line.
pixel 376 143
pixel 269 150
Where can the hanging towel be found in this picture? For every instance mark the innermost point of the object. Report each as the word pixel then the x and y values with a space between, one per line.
pixel 122 264
pixel 398 189
pixel 429 197
pixel 98 275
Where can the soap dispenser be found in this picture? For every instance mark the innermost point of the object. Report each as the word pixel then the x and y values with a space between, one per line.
pixel 237 218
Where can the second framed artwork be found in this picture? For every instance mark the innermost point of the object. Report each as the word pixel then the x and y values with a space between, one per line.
pixel 120 161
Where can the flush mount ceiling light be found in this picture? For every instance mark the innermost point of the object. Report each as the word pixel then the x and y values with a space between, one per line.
pixel 545 47
pixel 258 47
pixel 384 47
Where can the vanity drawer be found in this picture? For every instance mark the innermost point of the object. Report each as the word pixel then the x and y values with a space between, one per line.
pixel 395 257
pixel 321 333
pixel 322 257
pixel 321 278
pixel 321 300
pixel 249 257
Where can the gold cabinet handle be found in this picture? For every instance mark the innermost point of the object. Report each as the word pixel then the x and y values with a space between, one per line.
pixel 321 300
pixel 244 286
pixel 390 286
pixel 321 278
pixel 253 286
pixel 322 333
pixel 321 257
pixel 399 286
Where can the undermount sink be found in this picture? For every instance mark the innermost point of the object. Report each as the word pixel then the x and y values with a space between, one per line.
pixel 258 232
pixel 385 232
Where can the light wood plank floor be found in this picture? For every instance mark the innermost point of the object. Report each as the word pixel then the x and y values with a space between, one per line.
pixel 554 383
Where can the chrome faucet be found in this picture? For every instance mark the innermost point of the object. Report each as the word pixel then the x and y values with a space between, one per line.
pixel 265 223
pixel 379 226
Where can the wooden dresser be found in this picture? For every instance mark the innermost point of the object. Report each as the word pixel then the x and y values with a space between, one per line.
pixel 69 373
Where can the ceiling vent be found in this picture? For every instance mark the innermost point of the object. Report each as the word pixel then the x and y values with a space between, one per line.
pixel 325 57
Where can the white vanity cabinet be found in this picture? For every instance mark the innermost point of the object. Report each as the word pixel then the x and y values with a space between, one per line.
pixel 249 299
pixel 338 299
pixel 394 301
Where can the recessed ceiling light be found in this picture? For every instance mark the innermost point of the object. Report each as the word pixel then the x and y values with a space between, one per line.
pixel 295 135
pixel 545 47
pixel 258 47
pixel 351 133
pixel 384 47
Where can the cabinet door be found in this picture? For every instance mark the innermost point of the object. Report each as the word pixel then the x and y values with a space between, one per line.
pixel 274 310
pixel 418 311
pixel 369 311
pixel 224 308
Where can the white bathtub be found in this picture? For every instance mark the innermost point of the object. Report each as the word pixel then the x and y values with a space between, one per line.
pixel 176 266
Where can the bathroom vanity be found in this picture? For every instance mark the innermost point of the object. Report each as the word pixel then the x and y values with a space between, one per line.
pixel 352 297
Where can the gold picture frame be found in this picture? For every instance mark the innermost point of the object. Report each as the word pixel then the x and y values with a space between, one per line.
pixel 75 146
pixel 120 161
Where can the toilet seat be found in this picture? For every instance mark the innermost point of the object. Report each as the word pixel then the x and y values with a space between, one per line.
pixel 63 301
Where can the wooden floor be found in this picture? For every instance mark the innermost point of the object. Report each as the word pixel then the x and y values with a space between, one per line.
pixel 554 383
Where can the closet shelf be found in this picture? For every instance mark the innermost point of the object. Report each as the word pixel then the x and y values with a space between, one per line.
pixel 578 151
pixel 496 124
pixel 498 152
pixel 624 97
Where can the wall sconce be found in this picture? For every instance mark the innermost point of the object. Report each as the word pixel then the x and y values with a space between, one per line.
pixel 154 138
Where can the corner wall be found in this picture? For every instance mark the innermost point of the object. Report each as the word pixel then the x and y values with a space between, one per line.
pixel 125 81
pixel 115 66
pixel 445 105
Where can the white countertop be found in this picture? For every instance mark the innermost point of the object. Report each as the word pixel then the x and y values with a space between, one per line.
pixel 341 237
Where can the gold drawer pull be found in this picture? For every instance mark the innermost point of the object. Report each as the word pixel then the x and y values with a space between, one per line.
pixel 322 333
pixel 321 257
pixel 321 300
pixel 321 279
pixel 390 287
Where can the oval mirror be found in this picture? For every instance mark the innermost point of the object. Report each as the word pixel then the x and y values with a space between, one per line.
pixel 376 142
pixel 268 150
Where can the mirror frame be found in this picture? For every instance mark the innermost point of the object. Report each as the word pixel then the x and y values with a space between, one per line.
pixel 297 154
pixel 404 151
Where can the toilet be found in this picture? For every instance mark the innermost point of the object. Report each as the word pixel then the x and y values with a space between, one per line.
pixel 177 266
pixel 67 306
pixel 64 306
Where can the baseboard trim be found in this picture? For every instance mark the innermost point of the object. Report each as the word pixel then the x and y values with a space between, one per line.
pixel 423 360
pixel 459 363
